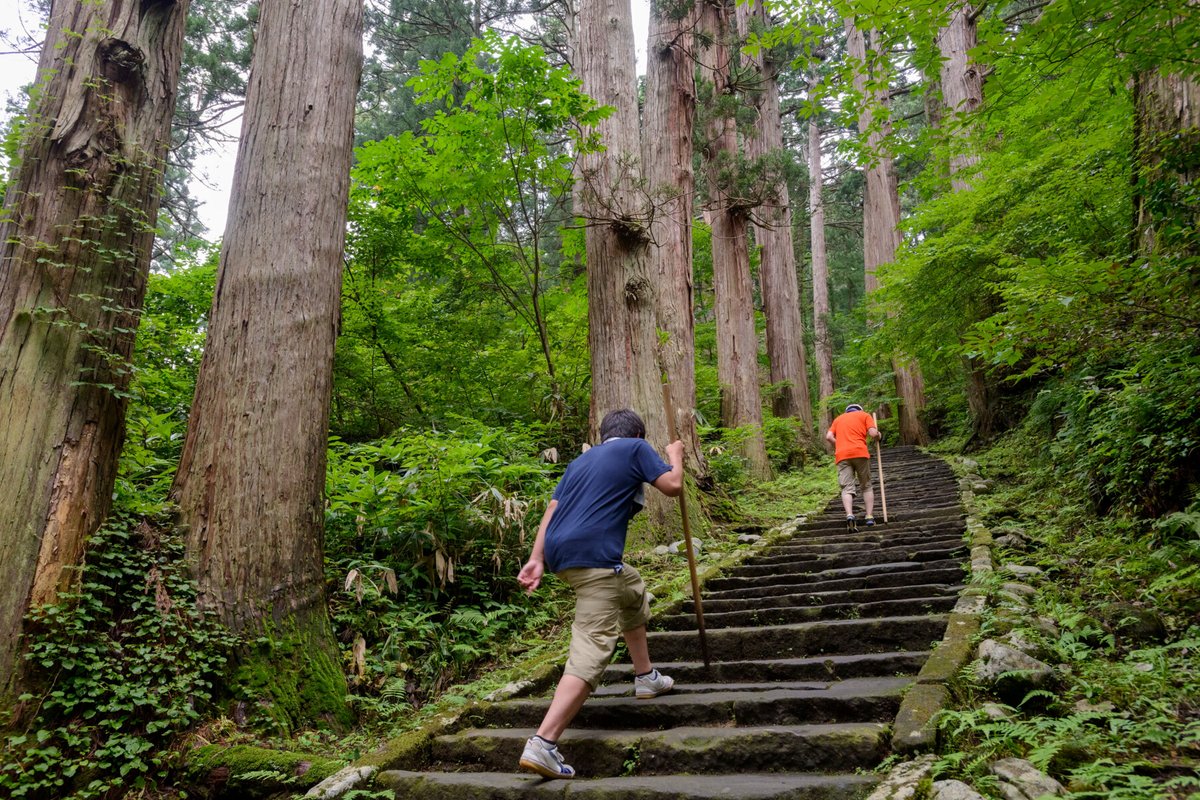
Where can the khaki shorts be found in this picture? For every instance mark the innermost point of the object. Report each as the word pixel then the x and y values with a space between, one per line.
pixel 852 470
pixel 607 603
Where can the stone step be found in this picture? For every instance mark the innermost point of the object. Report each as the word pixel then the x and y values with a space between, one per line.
pixel 790 614
pixel 852 700
pixel 505 786
pixel 855 541
pixel 815 668
pixel 834 523
pixel 839 747
pixel 937 549
pixel 845 636
pixel 805 578
pixel 944 572
pixel 867 594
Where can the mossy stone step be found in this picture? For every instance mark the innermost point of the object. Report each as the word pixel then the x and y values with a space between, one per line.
pixel 937 550
pixel 865 538
pixel 786 615
pixel 817 668
pixel 853 700
pixel 869 594
pixel 803 639
pixel 947 573
pixel 493 786
pixel 811 748
pixel 780 578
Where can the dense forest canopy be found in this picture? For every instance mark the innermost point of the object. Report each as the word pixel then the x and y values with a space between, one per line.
pixel 978 219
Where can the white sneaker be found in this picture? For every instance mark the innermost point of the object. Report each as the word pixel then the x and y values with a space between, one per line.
pixel 652 685
pixel 545 760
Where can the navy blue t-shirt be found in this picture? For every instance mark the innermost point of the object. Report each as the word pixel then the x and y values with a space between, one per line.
pixel 596 500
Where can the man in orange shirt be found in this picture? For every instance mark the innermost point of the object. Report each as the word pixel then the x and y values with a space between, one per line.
pixel 848 434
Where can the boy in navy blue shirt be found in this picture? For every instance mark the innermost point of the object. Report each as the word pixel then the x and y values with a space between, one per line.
pixel 581 539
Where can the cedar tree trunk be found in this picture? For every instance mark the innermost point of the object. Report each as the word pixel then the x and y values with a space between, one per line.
pixel 881 215
pixel 670 112
pixel 773 233
pixel 737 339
pixel 251 479
pixel 622 335
pixel 75 240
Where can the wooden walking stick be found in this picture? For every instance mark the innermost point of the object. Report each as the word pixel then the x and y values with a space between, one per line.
pixel 687 533
pixel 882 491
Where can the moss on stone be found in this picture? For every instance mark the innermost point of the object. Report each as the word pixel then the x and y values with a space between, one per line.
pixel 245 771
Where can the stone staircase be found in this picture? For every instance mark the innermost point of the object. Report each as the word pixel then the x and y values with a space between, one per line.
pixel 813 642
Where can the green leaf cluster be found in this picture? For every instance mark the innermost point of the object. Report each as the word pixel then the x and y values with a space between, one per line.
pixel 120 668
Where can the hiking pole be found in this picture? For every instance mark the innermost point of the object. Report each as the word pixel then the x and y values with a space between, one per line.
pixel 882 491
pixel 687 532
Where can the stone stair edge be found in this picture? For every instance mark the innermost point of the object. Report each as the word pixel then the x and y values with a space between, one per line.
pixel 914 730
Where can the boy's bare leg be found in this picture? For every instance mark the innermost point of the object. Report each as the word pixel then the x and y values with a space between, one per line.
pixel 568 699
pixel 848 503
pixel 635 640
pixel 869 501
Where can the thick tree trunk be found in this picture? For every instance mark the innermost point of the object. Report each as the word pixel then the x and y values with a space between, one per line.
pixel 777 265
pixel 670 111
pixel 737 340
pixel 881 218
pixel 962 90
pixel 961 83
pixel 820 269
pixel 251 479
pixel 75 241
pixel 622 334
pixel 1167 109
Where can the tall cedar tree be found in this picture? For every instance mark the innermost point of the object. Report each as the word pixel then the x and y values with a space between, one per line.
pixel 773 234
pixel 822 341
pixel 76 235
pixel 881 209
pixel 667 143
pixel 622 336
pixel 961 82
pixel 737 340
pixel 251 477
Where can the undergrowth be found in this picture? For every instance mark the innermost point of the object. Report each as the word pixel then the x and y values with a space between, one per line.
pixel 119 668
pixel 1118 617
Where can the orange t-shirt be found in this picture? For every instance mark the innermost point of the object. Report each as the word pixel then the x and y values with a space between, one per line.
pixel 850 429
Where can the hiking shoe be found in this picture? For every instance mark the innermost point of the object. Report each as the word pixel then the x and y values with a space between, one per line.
pixel 652 685
pixel 870 522
pixel 851 524
pixel 544 759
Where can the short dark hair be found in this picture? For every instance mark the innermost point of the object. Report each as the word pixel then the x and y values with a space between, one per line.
pixel 623 422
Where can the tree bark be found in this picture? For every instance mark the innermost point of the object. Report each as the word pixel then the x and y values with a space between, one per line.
pixel 962 94
pixel 622 335
pixel 881 215
pixel 251 479
pixel 76 243
pixel 820 268
pixel 669 115
pixel 737 340
pixel 773 234
pixel 1167 113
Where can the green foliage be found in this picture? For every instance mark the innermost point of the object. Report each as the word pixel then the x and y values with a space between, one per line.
pixel 121 667
pixel 455 276
pixel 1122 722
pixel 425 532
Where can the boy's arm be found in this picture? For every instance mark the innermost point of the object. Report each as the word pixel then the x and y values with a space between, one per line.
pixel 531 574
pixel 671 483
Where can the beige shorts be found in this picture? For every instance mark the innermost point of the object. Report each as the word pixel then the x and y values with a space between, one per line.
pixel 854 470
pixel 607 603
